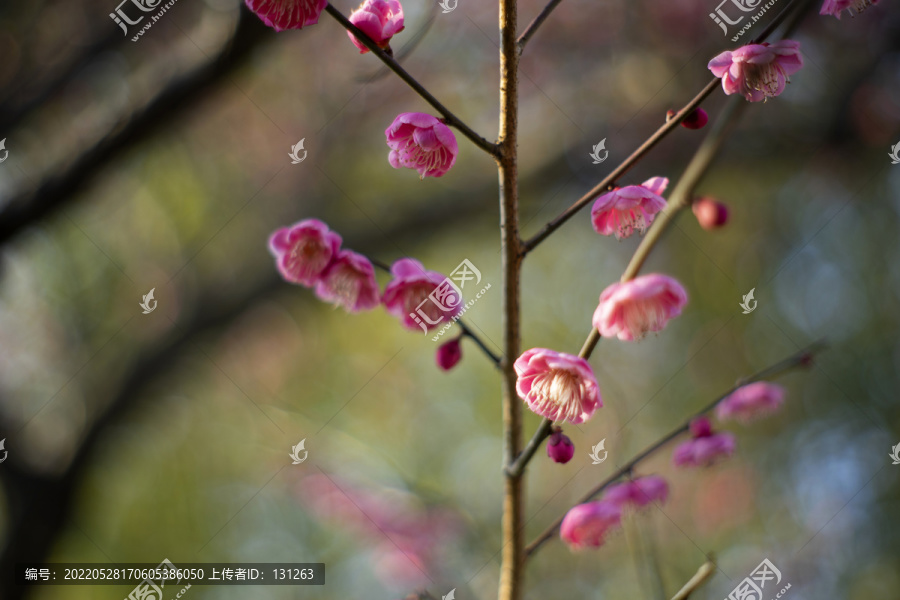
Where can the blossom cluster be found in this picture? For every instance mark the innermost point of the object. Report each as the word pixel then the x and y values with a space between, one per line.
pixel 587 525
pixel 308 253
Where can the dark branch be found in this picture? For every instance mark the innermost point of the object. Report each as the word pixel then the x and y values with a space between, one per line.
pixel 176 100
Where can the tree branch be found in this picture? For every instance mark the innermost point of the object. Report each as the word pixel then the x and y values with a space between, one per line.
pixel 533 26
pixel 610 180
pixel 680 198
pixel 518 466
pixel 467 332
pixel 800 359
pixel 27 209
pixel 411 81
pixel 702 575
pixel 512 566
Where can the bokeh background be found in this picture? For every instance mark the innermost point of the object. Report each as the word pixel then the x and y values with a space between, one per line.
pixel 164 164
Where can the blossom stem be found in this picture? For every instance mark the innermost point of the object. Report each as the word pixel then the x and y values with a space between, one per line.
pixel 702 575
pixel 393 65
pixel 512 565
pixel 679 198
pixel 800 359
pixel 533 26
pixel 516 468
pixel 466 332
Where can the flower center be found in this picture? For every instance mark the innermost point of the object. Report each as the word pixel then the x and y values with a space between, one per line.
pixel 764 77
pixel 414 298
pixel 344 286
pixel 629 220
pixel 642 316
pixel 561 388
pixel 307 257
pixel 430 160
pixel 861 5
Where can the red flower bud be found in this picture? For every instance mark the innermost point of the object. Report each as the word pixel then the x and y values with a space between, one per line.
pixel 711 214
pixel 560 448
pixel 448 354
pixel 696 120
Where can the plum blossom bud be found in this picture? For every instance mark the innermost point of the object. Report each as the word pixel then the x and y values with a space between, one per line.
pixel 710 213
pixel 704 447
pixel 379 19
pixel 422 142
pixel 287 14
pixel 559 447
pixel 639 492
pixel 696 120
pixel 448 354
pixel 751 401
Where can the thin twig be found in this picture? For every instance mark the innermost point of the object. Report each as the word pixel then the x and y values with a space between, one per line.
pixel 515 469
pixel 610 180
pixel 532 27
pixel 678 200
pixel 393 65
pixel 703 574
pixel 800 359
pixel 467 332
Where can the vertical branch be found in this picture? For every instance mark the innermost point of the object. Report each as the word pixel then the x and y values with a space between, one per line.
pixel 513 555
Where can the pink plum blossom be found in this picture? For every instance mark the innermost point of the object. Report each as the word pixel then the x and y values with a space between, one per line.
pixel 304 250
pixel 630 309
pixel 448 354
pixel 349 281
pixel 287 14
pixel 751 401
pixel 560 448
pixel 632 208
pixel 586 525
pixel 757 71
pixel 704 447
pixel 556 385
pixel 379 19
pixel 407 537
pixel 835 7
pixel 406 296
pixel 422 142
pixel 639 492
